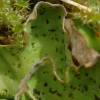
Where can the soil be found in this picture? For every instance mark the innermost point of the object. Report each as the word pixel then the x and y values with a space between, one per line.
pixel 6 34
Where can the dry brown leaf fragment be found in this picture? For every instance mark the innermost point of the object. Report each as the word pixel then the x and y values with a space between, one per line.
pixel 84 55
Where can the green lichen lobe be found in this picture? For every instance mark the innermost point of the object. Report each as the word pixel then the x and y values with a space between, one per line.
pixel 48 30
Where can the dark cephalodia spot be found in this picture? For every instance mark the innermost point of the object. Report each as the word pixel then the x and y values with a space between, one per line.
pixel 33 27
pixel 60 51
pixel 96 97
pixel 64 88
pixel 44 35
pixel 72 87
pixel 86 74
pixel 56 49
pixel 54 78
pixel 5 90
pixel 85 87
pixel 36 91
pixel 8 71
pixel 56 39
pixel 62 59
pixel 59 94
pixel 47 21
pixel 13 53
pixel 43 93
pixel 77 75
pixel 12 98
pixel 79 89
pixel 62 33
pixel 99 86
pixel 52 30
pixel 59 17
pixel 70 95
pixel 79 85
pixel 93 80
pixel 62 40
pixel 52 91
pixel 39 99
pixel 82 90
pixel 45 84
pixel 33 43
pixel 44 72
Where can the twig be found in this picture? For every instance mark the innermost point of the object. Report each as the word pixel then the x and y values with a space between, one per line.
pixel 81 7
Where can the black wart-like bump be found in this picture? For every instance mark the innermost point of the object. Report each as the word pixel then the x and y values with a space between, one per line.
pixel 45 84
pixel 36 91
pixel 85 87
pixel 8 71
pixel 72 87
pixel 44 35
pixel 44 72
pixel 39 98
pixel 33 43
pixel 70 95
pixel 86 74
pixel 56 39
pixel 62 40
pixel 62 59
pixel 33 27
pixel 82 90
pixel 52 91
pixel 59 17
pixel 47 21
pixel 5 90
pixel 59 94
pixel 54 78
pixel 99 86
pixel 92 79
pixel 10 98
pixel 43 93
pixel 56 49
pixel 52 30
pixel 78 76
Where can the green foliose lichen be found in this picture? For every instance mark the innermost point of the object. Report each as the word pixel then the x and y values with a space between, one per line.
pixel 47 37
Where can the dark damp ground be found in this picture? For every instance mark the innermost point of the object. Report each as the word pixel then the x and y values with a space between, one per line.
pixel 5 34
